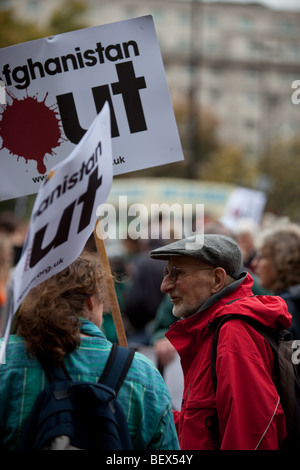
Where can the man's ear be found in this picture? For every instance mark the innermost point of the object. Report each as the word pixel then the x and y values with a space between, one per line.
pixel 218 280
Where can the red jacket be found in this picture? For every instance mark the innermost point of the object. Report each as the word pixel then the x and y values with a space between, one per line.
pixel 249 411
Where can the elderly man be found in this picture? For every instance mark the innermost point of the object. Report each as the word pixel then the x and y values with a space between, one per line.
pixel 205 282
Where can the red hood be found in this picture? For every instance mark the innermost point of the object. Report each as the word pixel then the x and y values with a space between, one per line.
pixel 269 310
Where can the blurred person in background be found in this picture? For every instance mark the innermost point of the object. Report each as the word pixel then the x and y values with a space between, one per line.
pixel 6 263
pixel 143 295
pixel 277 265
pixel 15 229
pixel 245 236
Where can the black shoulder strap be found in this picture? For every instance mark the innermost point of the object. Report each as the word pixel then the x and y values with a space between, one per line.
pixel 116 367
pixel 266 332
pixel 55 373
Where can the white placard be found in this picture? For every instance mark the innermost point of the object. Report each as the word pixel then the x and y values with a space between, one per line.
pixel 64 213
pixel 55 87
pixel 243 203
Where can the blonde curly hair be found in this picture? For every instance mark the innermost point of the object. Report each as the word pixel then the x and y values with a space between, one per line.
pixel 49 317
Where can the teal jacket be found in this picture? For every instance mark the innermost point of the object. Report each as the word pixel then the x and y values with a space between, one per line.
pixel 143 395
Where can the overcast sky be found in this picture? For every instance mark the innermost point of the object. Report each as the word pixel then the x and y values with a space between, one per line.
pixel 282 4
pixel 278 4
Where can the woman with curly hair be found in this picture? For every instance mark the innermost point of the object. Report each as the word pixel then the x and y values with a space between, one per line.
pixel 59 322
pixel 277 266
pixel 51 316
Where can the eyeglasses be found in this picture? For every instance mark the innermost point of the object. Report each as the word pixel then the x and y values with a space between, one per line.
pixel 259 256
pixel 174 272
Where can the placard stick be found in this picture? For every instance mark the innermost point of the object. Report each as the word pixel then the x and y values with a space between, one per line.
pixel 114 304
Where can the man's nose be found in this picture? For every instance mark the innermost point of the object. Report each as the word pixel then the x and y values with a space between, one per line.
pixel 167 284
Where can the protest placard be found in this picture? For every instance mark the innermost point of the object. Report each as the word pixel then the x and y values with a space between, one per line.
pixel 243 203
pixel 64 213
pixel 55 86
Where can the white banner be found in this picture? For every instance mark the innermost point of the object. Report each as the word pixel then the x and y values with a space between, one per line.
pixel 64 213
pixel 243 203
pixel 55 87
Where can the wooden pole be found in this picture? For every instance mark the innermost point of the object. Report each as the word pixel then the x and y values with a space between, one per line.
pixel 114 304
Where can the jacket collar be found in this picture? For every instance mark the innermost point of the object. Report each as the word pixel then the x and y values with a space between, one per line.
pixel 223 293
pixel 90 329
pixel 189 333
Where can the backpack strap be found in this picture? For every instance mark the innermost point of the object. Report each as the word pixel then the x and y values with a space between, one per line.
pixel 266 332
pixel 212 422
pixel 286 383
pixel 55 373
pixel 114 373
pixel 116 367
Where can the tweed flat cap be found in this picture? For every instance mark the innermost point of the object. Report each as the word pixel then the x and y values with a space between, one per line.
pixel 213 249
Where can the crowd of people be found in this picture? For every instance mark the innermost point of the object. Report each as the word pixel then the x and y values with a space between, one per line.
pixel 171 293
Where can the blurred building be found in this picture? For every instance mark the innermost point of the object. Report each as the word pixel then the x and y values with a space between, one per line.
pixel 235 62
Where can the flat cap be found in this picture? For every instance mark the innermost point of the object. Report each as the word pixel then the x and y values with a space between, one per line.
pixel 213 249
